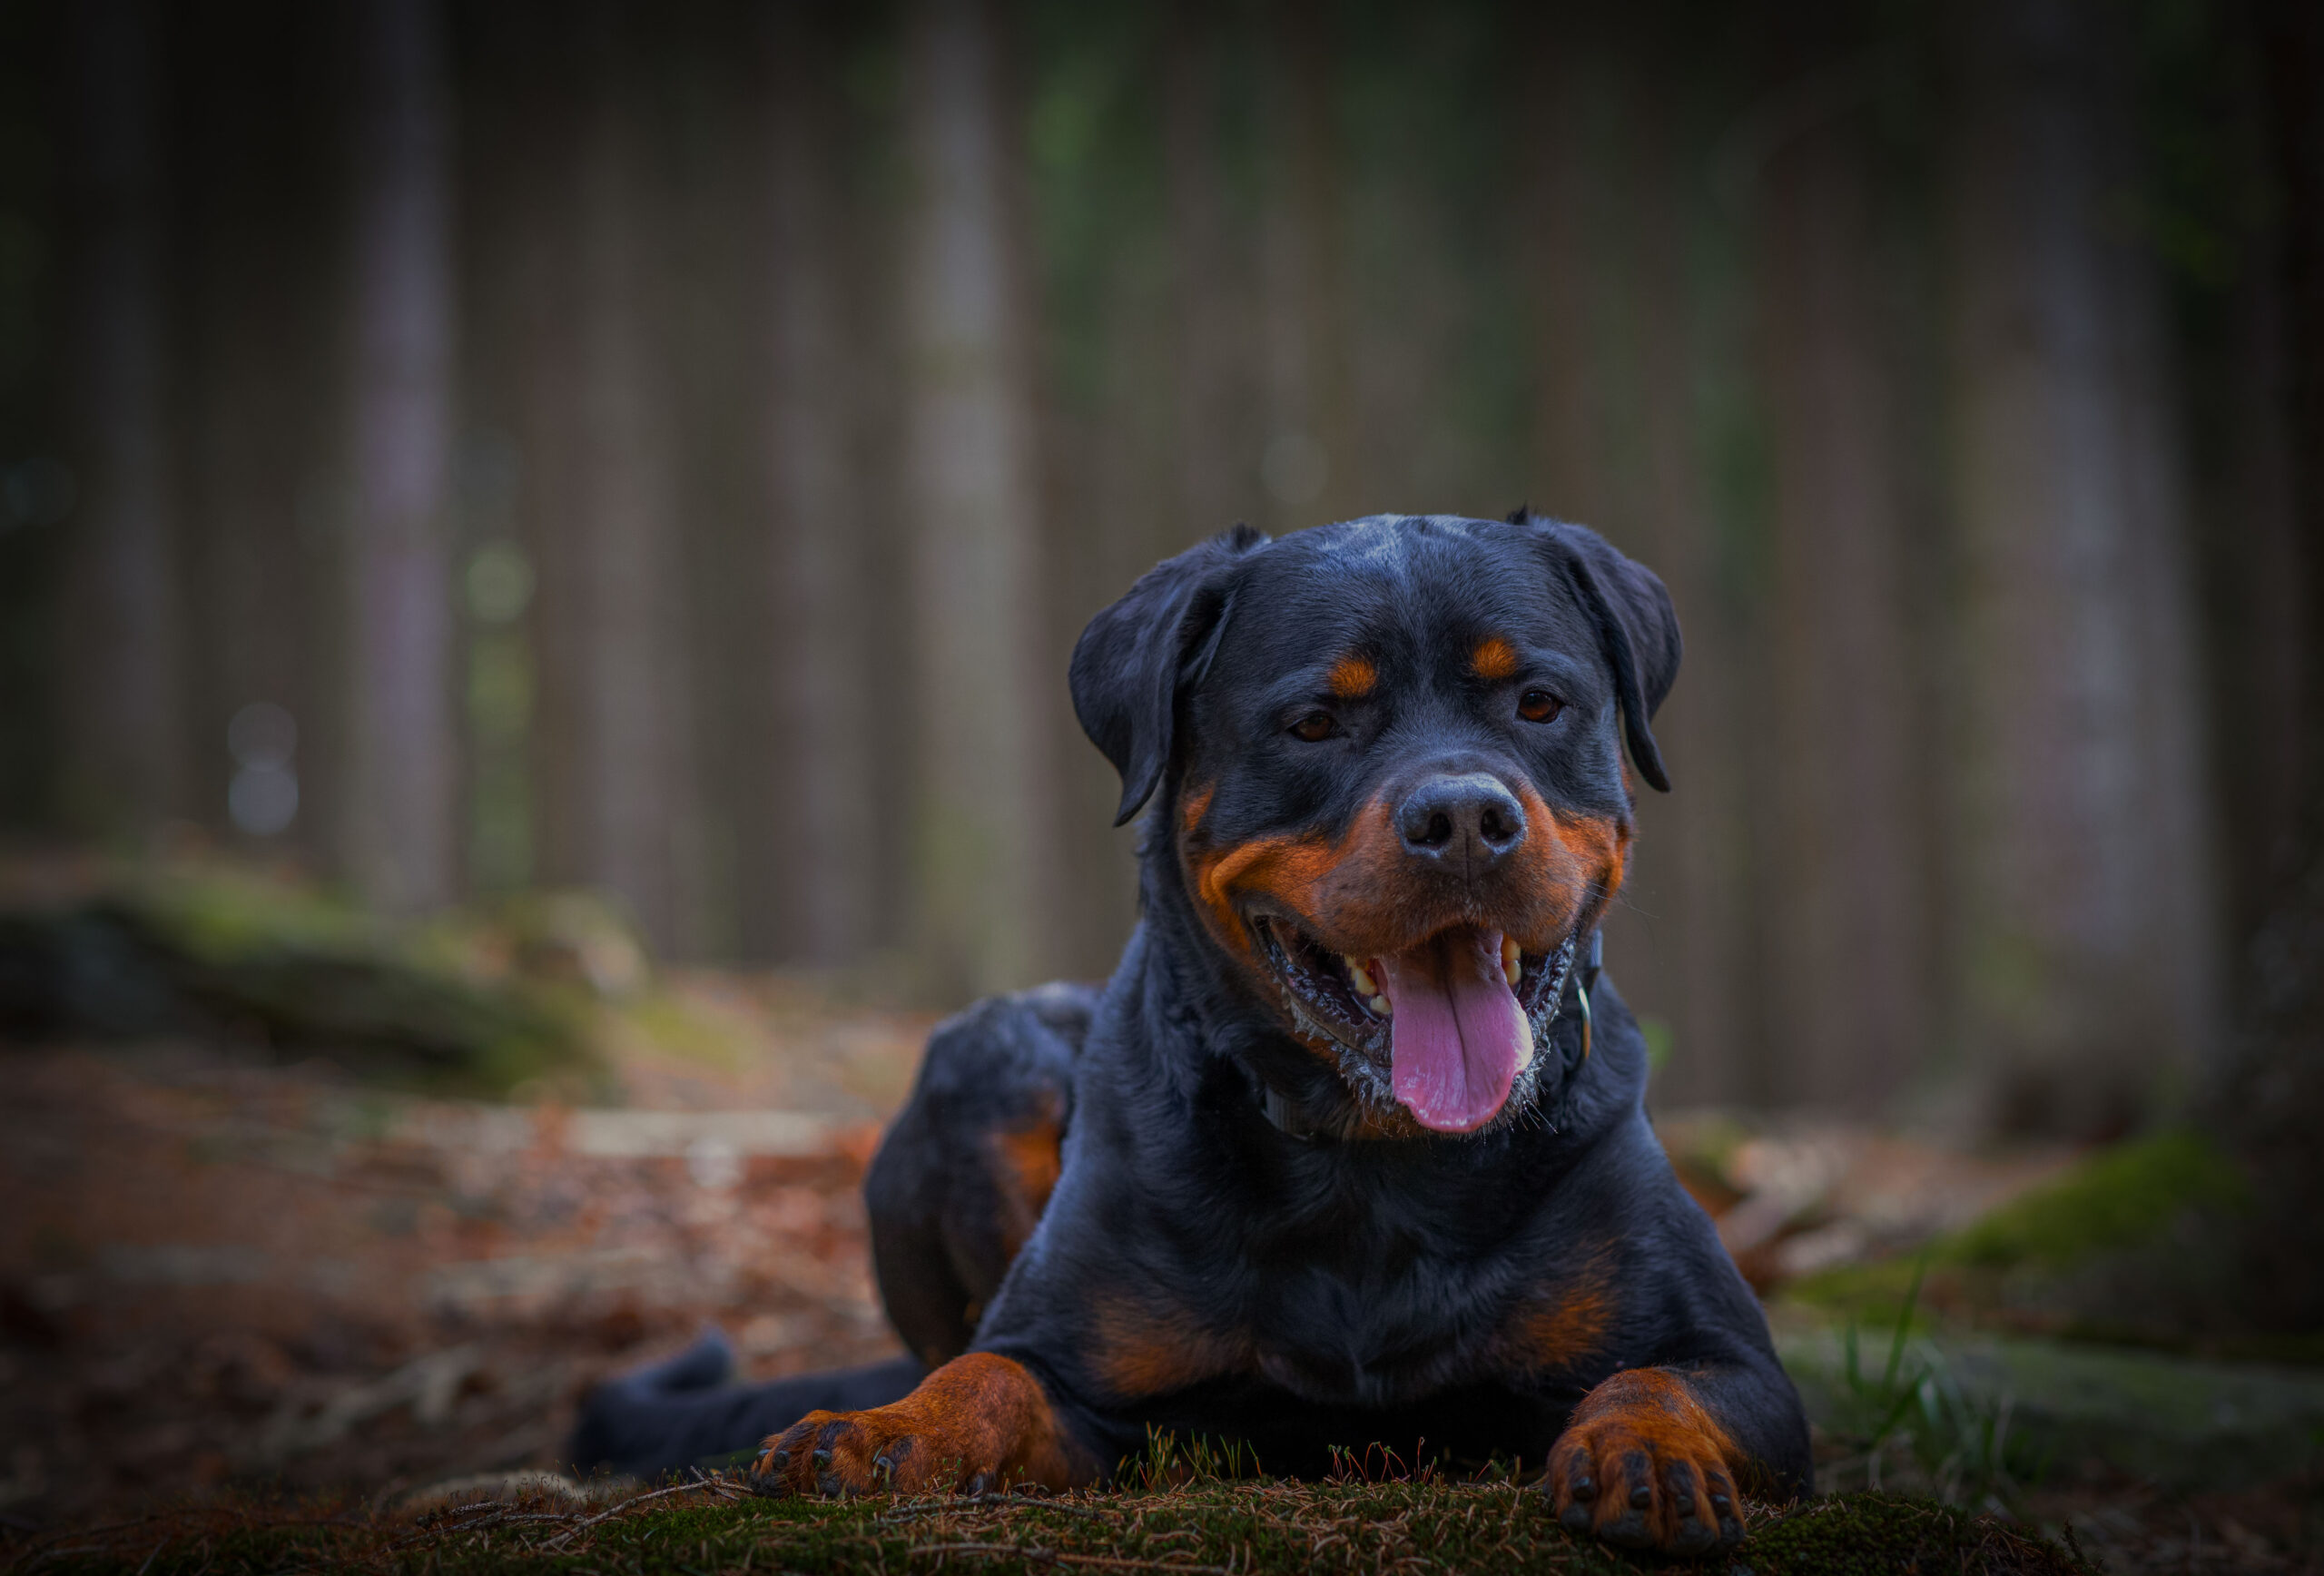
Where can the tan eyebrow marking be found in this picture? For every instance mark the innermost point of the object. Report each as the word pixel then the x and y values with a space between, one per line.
pixel 1353 677
pixel 1494 658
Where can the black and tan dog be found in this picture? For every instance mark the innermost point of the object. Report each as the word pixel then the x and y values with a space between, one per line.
pixel 1351 1147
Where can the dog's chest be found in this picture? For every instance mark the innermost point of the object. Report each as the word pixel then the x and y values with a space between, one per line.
pixel 1369 1312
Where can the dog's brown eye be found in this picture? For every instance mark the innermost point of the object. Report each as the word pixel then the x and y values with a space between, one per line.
pixel 1316 727
pixel 1537 706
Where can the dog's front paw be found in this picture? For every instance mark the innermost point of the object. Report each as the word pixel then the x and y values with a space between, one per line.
pixel 857 1453
pixel 1643 1466
pixel 979 1422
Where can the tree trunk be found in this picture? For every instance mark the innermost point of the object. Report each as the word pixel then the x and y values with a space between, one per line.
pixel 616 613
pixel 1692 871
pixel 1567 232
pixel 1849 927
pixel 262 411
pixel 1307 465
pixel 814 868
pixel 397 827
pixel 527 219
pixel 2089 946
pixel 123 702
pixel 983 849
pixel 2272 1107
pixel 2293 52
pixel 1213 420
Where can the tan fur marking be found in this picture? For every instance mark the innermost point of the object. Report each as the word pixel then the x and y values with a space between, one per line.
pixel 1136 1352
pixel 1352 677
pixel 1494 659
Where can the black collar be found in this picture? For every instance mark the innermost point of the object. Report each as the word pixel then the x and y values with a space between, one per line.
pixel 1292 1122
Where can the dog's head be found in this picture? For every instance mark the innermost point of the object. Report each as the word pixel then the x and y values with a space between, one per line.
pixel 1390 757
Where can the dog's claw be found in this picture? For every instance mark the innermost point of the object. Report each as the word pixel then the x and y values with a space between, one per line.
pixel 1730 1530
pixel 1694 1537
pixel 1630 1532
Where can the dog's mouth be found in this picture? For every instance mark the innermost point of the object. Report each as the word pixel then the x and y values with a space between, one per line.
pixel 1454 1018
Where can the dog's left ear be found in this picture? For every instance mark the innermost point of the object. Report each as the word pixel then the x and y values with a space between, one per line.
pixel 1136 658
pixel 1638 629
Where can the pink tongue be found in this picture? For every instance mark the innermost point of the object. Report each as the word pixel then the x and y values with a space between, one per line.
pixel 1457 1036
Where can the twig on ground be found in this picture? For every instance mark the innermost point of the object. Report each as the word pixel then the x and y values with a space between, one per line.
pixel 700 1485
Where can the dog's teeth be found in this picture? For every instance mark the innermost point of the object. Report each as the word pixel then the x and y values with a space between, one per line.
pixel 1379 1004
pixel 1365 985
pixel 1512 961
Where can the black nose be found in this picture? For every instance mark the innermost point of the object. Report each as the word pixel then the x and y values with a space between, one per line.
pixel 1471 820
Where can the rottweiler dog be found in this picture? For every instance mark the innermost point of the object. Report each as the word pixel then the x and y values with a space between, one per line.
pixel 1352 1149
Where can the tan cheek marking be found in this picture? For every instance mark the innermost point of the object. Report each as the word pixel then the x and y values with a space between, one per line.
pixel 1494 659
pixel 1352 677
pixel 1270 863
pixel 1599 847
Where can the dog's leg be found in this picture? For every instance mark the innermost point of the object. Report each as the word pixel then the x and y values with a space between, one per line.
pixel 965 1171
pixel 981 1422
pixel 1652 1457
pixel 654 1421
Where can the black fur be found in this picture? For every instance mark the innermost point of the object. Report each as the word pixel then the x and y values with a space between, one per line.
pixel 683 1413
pixel 1370 1283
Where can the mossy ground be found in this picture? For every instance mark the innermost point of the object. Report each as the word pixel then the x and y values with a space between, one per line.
pixel 2129 1248
pixel 1249 1527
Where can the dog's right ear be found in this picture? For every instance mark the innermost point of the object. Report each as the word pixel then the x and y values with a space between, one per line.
pixel 1137 656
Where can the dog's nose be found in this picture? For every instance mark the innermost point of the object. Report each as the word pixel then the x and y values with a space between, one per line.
pixel 1471 820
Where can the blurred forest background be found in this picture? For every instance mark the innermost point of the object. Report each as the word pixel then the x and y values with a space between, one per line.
pixel 670 449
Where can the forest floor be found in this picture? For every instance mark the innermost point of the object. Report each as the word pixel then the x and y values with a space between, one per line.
pixel 232 1280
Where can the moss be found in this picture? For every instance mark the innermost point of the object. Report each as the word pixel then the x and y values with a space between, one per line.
pixel 1255 1527
pixel 211 946
pixel 1877 1534
pixel 2125 1197
pixel 219 915
pixel 2117 1200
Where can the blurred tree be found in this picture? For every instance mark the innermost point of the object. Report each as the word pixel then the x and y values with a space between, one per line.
pixel 519 88
pixel 1850 940
pixel 817 826
pixel 1693 961
pixel 1308 463
pixel 396 821
pixel 266 499
pixel 2091 945
pixel 985 869
pixel 619 718
pixel 120 662
pixel 1210 309
pixel 2272 1105
pixel 1567 230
